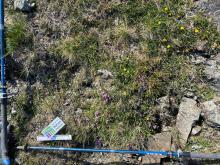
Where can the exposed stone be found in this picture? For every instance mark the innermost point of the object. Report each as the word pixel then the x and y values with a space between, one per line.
pixel 212 71
pixel 188 114
pixel 212 8
pixel 24 5
pixel 211 112
pixel 67 102
pixel 13 110
pixel 198 59
pixel 163 102
pixel 79 111
pixel 160 141
pixel 190 94
pixel 217 58
pixel 105 74
pixel 196 130
pixel 166 129
pixel 200 45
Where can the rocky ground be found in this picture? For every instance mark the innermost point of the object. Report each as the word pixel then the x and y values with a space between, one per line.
pixel 188 122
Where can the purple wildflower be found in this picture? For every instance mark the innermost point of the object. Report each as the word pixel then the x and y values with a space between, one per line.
pixel 130 147
pixel 106 97
pixel 98 143
pixel 97 115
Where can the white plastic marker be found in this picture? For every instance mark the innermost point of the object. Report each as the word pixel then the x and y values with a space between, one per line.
pixel 51 130
pixel 54 138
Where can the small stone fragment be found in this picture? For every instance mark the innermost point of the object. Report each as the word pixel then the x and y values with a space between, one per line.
pixel 196 130
pixel 24 5
pixel 105 74
pixel 200 45
pixel 79 111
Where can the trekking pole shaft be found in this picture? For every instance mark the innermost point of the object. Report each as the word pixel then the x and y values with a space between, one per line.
pixel 137 152
pixel 4 138
pixel 200 155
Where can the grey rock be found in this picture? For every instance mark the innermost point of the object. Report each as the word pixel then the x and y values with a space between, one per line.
pixel 198 59
pixel 188 114
pixel 163 102
pixel 196 130
pixel 211 112
pixel 212 8
pixel 167 129
pixel 13 110
pixel 200 45
pixel 79 111
pixel 190 94
pixel 212 71
pixel 105 74
pixel 24 5
pixel 217 58
pixel 67 102
pixel 160 141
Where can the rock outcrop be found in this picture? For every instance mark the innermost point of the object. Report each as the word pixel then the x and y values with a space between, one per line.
pixel 212 71
pixel 212 7
pixel 211 112
pixel 188 114
pixel 161 141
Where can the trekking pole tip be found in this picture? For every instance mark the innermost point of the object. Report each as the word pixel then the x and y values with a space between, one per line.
pixel 25 147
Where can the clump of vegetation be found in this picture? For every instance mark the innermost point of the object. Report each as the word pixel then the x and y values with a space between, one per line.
pixel 16 33
pixel 82 49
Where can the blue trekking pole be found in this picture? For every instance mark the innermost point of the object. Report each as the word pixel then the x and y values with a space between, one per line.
pixel 4 138
pixel 94 150
pixel 171 154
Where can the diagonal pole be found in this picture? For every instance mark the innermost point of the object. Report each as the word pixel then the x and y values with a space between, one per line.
pixel 171 154
pixel 94 150
pixel 3 96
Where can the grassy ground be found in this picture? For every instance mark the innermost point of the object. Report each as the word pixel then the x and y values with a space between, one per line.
pixel 57 52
